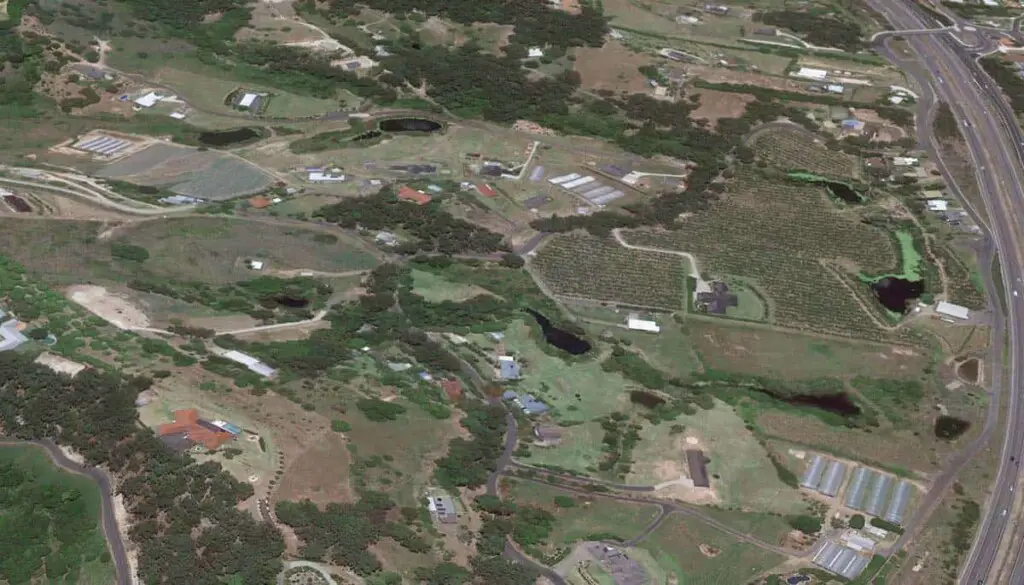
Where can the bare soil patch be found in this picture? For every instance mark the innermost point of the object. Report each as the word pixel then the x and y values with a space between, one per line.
pixel 709 551
pixel 320 474
pixel 59 364
pixel 613 67
pixel 113 308
pixel 720 104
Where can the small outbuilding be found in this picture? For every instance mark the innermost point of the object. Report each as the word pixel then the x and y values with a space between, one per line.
pixel 951 310
pixel 698 466
pixel 635 324
pixel 938 205
pixel 508 368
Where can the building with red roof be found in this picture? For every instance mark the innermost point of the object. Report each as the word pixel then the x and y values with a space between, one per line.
pixel 409 194
pixel 188 430
pixel 453 388
pixel 486 190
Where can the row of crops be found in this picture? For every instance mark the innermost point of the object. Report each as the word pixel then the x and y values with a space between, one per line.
pixel 962 288
pixel 796 150
pixel 584 266
pixel 778 234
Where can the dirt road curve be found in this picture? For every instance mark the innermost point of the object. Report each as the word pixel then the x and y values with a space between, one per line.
pixel 107 519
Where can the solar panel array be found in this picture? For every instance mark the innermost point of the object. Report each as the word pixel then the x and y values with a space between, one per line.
pixel 587 187
pixel 840 560
pixel 103 145
pixel 872 492
pixel 824 475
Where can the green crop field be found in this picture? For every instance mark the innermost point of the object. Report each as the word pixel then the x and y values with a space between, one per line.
pixel 589 515
pixel 435 288
pixel 794 244
pixel 675 545
pixel 795 150
pixel 583 266
pixel 50 523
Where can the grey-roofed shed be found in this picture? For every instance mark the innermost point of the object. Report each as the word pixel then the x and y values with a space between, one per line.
pixel 833 479
pixel 812 476
pixel 857 488
pixel 900 500
pixel 878 495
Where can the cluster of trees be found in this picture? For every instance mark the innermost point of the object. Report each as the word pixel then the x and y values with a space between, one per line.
pixel 469 462
pixel 264 298
pixel 535 23
pixel 379 410
pixel 634 367
pixel 435 230
pixel 187 526
pixel 817 29
pixel 620 437
pixel 805 523
pixel 1006 75
pixel 38 513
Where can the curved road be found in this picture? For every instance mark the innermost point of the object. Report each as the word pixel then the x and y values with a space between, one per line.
pixel 108 520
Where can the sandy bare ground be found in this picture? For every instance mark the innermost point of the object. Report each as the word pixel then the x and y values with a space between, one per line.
pixel 113 308
pixel 123 522
pixel 59 364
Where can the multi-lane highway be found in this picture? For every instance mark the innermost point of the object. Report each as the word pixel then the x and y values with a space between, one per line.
pixel 996 145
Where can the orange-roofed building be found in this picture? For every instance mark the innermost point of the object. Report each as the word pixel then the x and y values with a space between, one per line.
pixel 486 190
pixel 410 194
pixel 188 430
pixel 259 202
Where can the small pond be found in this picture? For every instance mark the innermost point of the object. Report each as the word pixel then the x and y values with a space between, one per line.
pixel 950 427
pixel 969 370
pixel 229 137
pixel 843 191
pixel 409 125
pixel 560 338
pixel 646 399
pixel 837 403
pixel 896 294
pixel 291 302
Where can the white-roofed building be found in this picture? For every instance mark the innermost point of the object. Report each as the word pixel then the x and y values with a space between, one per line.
pixel 905 161
pixel 322 177
pixel 250 362
pixel 950 310
pixel 149 100
pixel 938 205
pixel 11 335
pixel 643 325
pixel 809 73
pixel 248 100
pixel 535 52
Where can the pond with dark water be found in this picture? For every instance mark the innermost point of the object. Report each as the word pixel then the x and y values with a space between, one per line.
pixel 229 137
pixel 409 125
pixel 836 403
pixel 896 294
pixel 843 191
pixel 950 427
pixel 291 302
pixel 646 399
pixel 560 338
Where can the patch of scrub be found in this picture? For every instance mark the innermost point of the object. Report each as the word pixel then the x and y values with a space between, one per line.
pixel 436 289
pixel 741 472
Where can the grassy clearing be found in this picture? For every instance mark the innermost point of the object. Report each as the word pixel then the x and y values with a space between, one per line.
pixel 675 546
pixel 29 513
pixel 590 516
pixel 579 450
pixel 741 349
pixel 408 447
pixel 206 87
pixel 550 379
pixel 671 351
pixel 743 475
pixel 207 249
pixel 583 266
pixel 435 288
pixel 751 305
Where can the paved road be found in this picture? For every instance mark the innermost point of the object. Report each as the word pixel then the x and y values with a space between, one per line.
pixel 108 520
pixel 996 145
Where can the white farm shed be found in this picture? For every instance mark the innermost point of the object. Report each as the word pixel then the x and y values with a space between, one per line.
pixel 250 362
pixel 247 100
pixel 938 205
pixel 951 310
pixel 643 325
pixel 149 100
pixel 809 73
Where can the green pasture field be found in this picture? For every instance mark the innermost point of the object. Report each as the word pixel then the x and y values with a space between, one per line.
pixel 672 351
pixel 84 556
pixel 591 515
pixel 579 450
pixel 435 288
pixel 788 355
pixel 675 546
pixel 747 476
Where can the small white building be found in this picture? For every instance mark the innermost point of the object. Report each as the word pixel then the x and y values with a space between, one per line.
pixel 809 73
pixel 248 100
pixel 250 362
pixel 950 310
pixel 255 264
pixel 904 161
pixel 149 100
pixel 896 99
pixel 635 324
pixel 535 52
pixel 834 88
pixel 322 177
pixel 177 115
pixel 938 205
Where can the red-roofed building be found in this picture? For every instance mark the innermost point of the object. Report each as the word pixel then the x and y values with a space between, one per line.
pixel 188 429
pixel 259 202
pixel 453 388
pixel 410 194
pixel 486 190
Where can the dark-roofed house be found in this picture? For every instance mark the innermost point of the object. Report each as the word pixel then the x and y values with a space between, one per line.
pixel 698 467
pixel 718 300
pixel 508 368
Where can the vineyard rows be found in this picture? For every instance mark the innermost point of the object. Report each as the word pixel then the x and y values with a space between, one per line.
pixel 580 265
pixel 962 289
pixel 794 150
pixel 777 234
